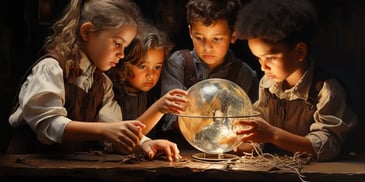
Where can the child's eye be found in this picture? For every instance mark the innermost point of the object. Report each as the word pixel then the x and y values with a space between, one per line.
pixel 218 39
pixel 141 67
pixel 198 38
pixel 270 58
pixel 158 67
pixel 116 44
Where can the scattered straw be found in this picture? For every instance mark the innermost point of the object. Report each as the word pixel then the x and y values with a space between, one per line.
pixel 273 162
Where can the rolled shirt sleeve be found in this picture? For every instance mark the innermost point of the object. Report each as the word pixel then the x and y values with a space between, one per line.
pixel 333 121
pixel 41 101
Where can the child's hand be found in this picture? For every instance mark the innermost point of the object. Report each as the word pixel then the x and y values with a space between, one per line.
pixel 152 148
pixel 256 130
pixel 244 147
pixel 124 135
pixel 173 101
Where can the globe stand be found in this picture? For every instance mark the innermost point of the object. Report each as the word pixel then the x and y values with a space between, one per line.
pixel 214 157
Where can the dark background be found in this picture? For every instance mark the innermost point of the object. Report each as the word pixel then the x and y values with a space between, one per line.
pixel 338 48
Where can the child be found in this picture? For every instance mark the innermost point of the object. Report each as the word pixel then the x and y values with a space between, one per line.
pixel 303 109
pixel 138 74
pixel 66 102
pixel 211 28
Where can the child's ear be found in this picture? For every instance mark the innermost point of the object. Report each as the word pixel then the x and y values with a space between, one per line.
pixel 85 30
pixel 189 27
pixel 302 50
pixel 234 37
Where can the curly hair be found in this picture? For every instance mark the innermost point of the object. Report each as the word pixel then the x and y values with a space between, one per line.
pixel 274 21
pixel 209 11
pixel 149 37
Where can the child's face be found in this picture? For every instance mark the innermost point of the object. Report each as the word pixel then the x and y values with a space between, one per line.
pixel 279 62
pixel 106 48
pixel 211 42
pixel 147 75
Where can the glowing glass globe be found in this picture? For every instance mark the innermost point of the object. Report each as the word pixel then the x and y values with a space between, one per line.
pixel 209 122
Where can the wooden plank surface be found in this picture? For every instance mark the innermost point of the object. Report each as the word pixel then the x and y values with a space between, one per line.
pixel 113 167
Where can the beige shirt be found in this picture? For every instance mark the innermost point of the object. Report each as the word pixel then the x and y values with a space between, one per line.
pixel 332 114
pixel 42 99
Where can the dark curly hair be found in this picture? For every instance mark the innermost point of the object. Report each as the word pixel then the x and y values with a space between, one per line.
pixel 288 21
pixel 148 37
pixel 209 11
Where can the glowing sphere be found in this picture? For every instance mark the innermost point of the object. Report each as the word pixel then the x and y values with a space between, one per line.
pixel 209 121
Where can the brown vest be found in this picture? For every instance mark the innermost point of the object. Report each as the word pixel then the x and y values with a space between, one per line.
pixel 295 116
pixel 80 106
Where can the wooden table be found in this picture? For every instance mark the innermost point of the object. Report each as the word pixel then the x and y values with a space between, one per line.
pixel 111 167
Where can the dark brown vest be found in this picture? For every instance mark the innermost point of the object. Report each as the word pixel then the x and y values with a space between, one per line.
pixel 295 116
pixel 80 106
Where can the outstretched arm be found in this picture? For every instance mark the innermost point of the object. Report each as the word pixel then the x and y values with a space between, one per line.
pixel 260 131
pixel 172 102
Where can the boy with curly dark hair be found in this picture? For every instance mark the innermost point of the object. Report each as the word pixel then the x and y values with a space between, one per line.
pixel 303 108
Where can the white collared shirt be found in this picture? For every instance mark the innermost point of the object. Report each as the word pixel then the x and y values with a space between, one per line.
pixel 332 114
pixel 42 99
